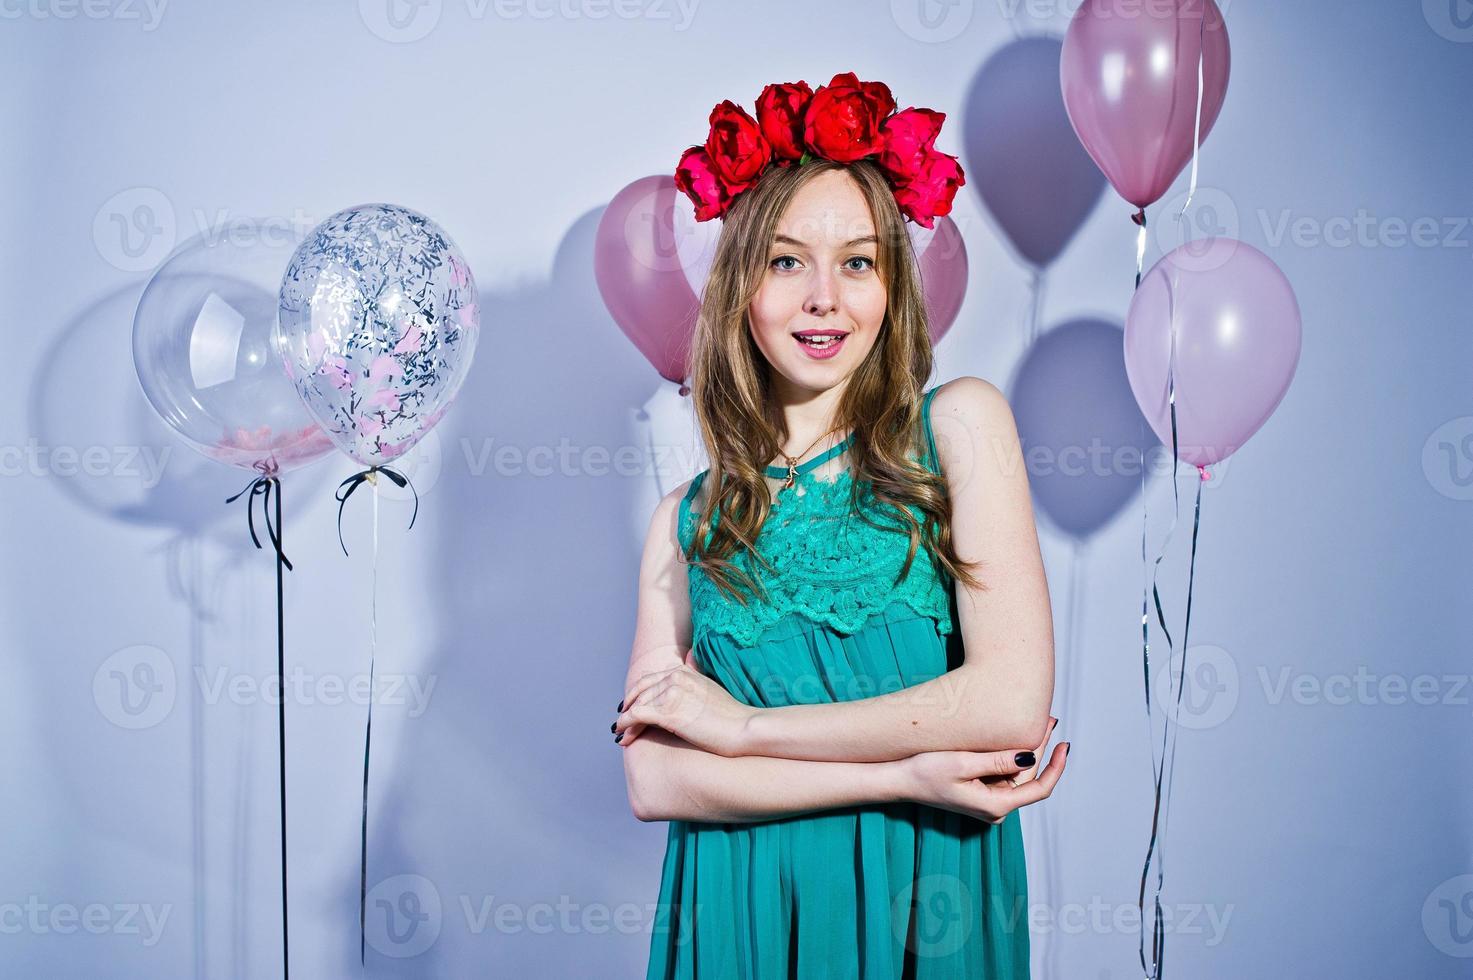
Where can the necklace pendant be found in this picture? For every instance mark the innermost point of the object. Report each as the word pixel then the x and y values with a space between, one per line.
pixel 792 473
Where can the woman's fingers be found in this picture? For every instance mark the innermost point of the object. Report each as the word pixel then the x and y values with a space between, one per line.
pixel 647 681
pixel 993 767
pixel 640 708
pixel 1038 754
pixel 630 734
pixel 1037 789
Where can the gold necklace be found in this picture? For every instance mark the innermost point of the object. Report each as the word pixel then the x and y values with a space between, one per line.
pixel 793 460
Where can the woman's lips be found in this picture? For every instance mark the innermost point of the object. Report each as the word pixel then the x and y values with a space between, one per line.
pixel 819 353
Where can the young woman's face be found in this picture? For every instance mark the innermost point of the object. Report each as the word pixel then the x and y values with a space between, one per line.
pixel 821 283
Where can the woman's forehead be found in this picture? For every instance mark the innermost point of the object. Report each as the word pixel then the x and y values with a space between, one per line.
pixel 828 210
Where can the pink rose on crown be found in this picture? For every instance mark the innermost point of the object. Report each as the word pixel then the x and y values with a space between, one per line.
pixel 929 194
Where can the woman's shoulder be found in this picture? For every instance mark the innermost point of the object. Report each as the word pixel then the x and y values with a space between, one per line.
pixel 970 405
pixel 966 391
pixel 690 492
pixel 970 398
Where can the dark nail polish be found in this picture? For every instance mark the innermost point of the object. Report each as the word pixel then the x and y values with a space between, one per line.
pixel 613 725
pixel 1024 758
pixel 619 737
pixel 621 705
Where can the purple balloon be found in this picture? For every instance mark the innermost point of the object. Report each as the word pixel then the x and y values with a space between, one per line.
pixel 1023 158
pixel 1129 77
pixel 1079 425
pixel 641 277
pixel 942 262
pixel 1238 335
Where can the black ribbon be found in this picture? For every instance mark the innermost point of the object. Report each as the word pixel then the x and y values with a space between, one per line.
pixel 344 491
pixel 262 487
pixel 346 488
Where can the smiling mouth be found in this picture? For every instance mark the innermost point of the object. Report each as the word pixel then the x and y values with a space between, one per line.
pixel 820 339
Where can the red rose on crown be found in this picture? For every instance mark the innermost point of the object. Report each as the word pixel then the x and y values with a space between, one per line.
pixel 780 110
pixel 696 176
pixel 845 121
pixel 736 146
pixel 844 118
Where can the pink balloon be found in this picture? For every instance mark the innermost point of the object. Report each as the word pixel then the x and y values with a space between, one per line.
pixel 1238 336
pixel 640 275
pixel 942 258
pixel 1129 75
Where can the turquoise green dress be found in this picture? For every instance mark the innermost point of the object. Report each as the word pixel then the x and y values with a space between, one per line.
pixel 879 891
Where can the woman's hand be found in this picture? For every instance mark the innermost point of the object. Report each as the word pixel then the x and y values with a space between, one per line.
pixel 687 703
pixel 984 785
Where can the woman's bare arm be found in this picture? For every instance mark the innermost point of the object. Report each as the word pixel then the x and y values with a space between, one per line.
pixel 696 785
pixel 999 697
pixel 669 779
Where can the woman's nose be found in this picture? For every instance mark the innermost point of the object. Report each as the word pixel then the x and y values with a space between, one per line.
pixel 824 296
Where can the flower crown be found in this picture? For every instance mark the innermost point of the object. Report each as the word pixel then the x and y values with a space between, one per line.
pixel 844 121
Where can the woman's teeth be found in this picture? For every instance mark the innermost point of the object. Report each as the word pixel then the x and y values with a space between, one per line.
pixel 822 340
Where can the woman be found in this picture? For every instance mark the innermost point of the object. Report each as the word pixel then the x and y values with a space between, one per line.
pixel 843 659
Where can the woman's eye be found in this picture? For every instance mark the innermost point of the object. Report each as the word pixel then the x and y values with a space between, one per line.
pixel 868 262
pixel 783 258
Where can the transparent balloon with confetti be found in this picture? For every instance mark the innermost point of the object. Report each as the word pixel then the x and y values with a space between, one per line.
pixel 378 324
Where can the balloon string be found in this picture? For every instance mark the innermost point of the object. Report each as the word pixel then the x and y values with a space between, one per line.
pixel 1140 244
pixel 367 736
pixel 1197 124
pixel 281 728
pixel 262 487
pixel 1163 768
pixel 1170 731
pixel 1035 307
pixel 1157 762
pixel 1072 675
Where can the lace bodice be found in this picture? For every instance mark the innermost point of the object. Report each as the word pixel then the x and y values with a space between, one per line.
pixel 830 566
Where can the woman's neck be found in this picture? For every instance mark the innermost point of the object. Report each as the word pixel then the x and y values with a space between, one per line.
pixel 808 415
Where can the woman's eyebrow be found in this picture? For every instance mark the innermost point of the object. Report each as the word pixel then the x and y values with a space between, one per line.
pixel 785 240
